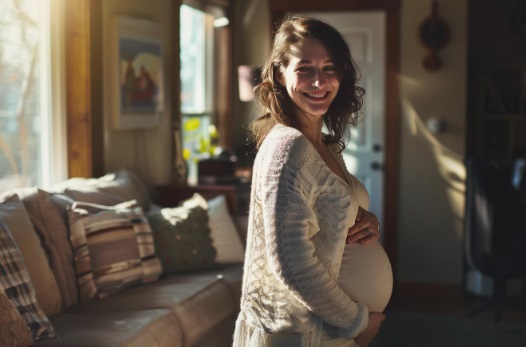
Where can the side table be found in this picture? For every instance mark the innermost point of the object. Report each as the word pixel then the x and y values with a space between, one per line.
pixel 237 195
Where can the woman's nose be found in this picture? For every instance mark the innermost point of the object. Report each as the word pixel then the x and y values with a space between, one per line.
pixel 318 80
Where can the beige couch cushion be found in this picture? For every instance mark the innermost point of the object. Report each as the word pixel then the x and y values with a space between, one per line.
pixel 16 283
pixel 165 293
pixel 50 224
pixel 224 234
pixel 148 328
pixel 204 310
pixel 17 220
pixel 111 189
pixel 200 300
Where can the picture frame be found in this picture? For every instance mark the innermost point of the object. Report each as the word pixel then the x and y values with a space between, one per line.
pixel 136 73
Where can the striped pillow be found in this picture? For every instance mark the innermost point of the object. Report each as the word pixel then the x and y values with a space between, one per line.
pixel 16 283
pixel 113 248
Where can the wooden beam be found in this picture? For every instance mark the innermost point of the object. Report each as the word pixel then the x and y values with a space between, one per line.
pixel 392 138
pixel 176 153
pixel 78 88
pixel 333 5
pixel 97 97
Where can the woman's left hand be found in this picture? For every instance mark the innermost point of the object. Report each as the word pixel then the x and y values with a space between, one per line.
pixel 365 230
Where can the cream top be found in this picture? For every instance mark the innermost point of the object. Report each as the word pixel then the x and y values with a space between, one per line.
pixel 300 212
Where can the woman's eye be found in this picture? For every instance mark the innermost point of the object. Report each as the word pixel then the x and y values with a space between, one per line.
pixel 303 69
pixel 330 68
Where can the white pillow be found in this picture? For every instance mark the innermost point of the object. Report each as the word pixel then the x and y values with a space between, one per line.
pixel 224 233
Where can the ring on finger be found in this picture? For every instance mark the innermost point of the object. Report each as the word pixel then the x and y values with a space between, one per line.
pixel 370 232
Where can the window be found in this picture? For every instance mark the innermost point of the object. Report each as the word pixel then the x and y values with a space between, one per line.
pixel 203 45
pixel 26 127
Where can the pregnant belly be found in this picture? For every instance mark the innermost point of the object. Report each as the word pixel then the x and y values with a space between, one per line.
pixel 366 275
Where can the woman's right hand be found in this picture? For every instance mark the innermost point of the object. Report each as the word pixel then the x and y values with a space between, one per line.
pixel 366 336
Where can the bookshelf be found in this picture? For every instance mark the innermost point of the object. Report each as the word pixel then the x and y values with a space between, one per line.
pixel 502 113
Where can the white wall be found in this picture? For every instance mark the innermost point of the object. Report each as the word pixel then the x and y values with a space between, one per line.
pixel 431 205
pixel 145 151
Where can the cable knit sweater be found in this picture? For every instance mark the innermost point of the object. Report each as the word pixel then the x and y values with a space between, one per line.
pixel 300 212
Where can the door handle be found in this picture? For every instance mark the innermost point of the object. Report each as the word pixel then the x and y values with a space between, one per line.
pixel 375 166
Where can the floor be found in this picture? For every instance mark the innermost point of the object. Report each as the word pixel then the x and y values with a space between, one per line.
pixel 456 305
pixel 442 319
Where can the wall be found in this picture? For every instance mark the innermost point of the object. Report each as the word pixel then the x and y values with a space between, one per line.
pixel 431 202
pixel 431 186
pixel 252 44
pixel 148 152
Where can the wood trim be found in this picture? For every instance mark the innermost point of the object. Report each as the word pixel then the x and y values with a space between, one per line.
pixel 431 290
pixel 176 94
pixel 392 137
pixel 97 97
pixel 223 85
pixel 78 88
pixel 333 5
pixel 392 104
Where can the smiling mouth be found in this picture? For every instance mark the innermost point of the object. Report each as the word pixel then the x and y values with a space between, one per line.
pixel 317 96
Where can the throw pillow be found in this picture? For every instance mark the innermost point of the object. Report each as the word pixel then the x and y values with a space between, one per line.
pixel 224 233
pixel 17 220
pixel 16 283
pixel 182 236
pixel 50 222
pixel 13 329
pixel 113 248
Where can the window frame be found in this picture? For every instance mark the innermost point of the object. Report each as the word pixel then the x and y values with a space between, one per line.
pixel 79 120
pixel 49 87
pixel 218 71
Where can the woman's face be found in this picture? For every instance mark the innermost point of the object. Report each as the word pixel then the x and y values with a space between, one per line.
pixel 311 79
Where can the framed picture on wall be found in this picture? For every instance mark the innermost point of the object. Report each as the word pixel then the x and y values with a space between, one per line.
pixel 136 73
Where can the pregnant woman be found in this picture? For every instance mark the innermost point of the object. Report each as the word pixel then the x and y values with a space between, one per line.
pixel 306 211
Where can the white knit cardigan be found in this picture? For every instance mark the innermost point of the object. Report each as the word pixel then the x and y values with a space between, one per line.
pixel 300 212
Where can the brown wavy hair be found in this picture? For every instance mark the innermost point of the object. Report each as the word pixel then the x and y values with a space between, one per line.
pixel 279 107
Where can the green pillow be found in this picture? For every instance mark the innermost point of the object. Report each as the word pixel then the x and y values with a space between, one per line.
pixel 182 236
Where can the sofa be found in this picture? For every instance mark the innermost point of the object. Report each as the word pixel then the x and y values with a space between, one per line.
pixel 168 287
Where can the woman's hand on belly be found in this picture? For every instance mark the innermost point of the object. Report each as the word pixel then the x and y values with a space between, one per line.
pixel 366 228
pixel 365 337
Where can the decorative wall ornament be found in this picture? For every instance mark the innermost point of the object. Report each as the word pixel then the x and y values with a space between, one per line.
pixel 434 34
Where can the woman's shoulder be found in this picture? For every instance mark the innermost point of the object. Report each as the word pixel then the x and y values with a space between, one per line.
pixel 284 139
pixel 286 147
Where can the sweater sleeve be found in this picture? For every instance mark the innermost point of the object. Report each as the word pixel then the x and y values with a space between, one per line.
pixel 290 223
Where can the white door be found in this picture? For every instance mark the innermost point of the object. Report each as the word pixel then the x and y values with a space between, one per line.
pixel 364 155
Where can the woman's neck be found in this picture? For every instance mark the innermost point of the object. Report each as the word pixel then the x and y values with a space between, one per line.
pixel 312 130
